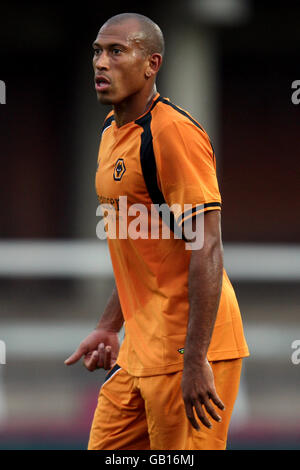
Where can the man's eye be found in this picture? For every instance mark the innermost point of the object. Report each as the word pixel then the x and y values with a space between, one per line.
pixel 116 51
pixel 96 51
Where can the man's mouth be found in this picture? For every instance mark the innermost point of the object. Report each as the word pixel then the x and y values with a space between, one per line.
pixel 101 83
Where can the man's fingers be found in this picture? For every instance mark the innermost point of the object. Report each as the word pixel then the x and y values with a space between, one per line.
pixel 201 414
pixel 74 357
pixel 217 401
pixel 190 415
pixel 91 360
pixel 107 357
pixel 101 353
pixel 200 411
pixel 105 361
pixel 210 410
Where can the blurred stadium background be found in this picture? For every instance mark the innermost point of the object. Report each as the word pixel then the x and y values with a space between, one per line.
pixel 231 63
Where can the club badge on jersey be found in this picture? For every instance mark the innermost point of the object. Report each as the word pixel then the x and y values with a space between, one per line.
pixel 119 169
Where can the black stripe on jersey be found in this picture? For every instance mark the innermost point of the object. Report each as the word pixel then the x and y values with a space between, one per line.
pixel 181 111
pixel 111 372
pixel 147 158
pixel 184 113
pixel 154 103
pixel 148 165
pixel 107 123
pixel 198 208
pixel 109 120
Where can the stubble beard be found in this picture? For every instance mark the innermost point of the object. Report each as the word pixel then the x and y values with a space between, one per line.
pixel 104 99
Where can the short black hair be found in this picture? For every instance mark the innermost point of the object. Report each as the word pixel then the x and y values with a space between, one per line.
pixel 153 39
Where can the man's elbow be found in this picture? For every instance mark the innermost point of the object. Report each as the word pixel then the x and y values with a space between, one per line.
pixel 213 250
pixel 210 252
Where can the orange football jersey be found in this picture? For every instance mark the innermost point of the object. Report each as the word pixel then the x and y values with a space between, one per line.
pixel 163 157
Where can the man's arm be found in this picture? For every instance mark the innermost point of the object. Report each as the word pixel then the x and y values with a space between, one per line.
pixel 112 317
pixel 101 347
pixel 205 284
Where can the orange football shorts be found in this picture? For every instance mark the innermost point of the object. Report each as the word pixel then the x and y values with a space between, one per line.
pixel 143 413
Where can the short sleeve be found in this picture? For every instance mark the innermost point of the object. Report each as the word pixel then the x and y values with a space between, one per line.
pixel 186 170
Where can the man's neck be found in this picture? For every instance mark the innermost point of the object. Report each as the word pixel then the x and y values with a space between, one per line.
pixel 136 105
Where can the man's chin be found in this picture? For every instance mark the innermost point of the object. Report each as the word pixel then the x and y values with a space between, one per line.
pixel 104 99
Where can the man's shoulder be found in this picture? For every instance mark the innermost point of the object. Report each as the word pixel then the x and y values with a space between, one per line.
pixel 108 119
pixel 168 117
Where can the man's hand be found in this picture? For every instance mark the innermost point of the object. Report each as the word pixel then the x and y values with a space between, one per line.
pixel 198 389
pixel 100 350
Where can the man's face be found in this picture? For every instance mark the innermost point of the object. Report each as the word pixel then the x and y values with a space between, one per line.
pixel 119 62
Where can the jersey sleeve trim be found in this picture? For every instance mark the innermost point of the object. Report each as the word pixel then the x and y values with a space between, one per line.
pixel 197 210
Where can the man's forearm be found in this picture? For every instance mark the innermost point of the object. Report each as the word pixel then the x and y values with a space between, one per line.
pixel 205 284
pixel 112 317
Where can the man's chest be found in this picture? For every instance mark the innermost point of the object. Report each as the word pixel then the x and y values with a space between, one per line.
pixel 119 171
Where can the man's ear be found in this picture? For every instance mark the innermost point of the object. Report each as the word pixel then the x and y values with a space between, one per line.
pixel 155 61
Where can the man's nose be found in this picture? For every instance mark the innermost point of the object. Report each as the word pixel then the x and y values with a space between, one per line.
pixel 102 61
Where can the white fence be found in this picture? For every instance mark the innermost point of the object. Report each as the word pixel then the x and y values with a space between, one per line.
pixel 91 258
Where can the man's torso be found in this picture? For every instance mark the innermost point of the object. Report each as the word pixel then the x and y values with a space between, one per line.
pixel 155 160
